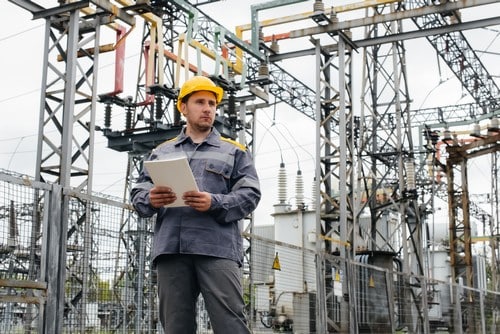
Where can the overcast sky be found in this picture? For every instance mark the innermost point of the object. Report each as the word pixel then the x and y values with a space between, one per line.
pixel 281 133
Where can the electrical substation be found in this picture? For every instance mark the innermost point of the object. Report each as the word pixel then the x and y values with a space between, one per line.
pixel 366 252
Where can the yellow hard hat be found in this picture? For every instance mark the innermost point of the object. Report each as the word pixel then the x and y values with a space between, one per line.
pixel 196 84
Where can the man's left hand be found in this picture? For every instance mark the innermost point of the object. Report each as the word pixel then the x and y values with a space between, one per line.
pixel 198 200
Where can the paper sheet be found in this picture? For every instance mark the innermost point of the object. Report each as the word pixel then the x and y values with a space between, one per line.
pixel 174 173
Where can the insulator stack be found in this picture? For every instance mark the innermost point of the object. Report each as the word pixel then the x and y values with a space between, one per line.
pixel 318 6
pixel 447 134
pixel 263 70
pixel 410 175
pixel 261 36
pixel 476 130
pixel 107 116
pixel 275 47
pixel 333 16
pixel 128 119
pixel 159 108
pixel 314 192
pixel 493 127
pixel 299 189
pixel 282 184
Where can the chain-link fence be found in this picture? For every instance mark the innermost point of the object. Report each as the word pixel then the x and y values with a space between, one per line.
pixel 86 264
pixel 108 280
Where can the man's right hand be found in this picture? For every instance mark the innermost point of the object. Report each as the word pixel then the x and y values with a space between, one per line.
pixel 161 196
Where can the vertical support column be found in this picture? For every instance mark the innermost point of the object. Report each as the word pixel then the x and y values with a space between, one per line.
pixel 494 232
pixel 56 226
pixel 385 139
pixel 69 100
pixel 459 227
pixel 452 213
pixel 467 241
pixel 65 157
pixel 334 174
pixel 348 318
pixel 321 318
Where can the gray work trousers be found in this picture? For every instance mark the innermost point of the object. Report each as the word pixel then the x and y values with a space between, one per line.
pixel 181 278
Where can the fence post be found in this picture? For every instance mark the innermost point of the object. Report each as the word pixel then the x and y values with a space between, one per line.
pixel 425 307
pixel 457 311
pixel 53 258
pixel 483 315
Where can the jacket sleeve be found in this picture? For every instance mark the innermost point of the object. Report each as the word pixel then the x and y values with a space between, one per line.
pixel 244 195
pixel 139 196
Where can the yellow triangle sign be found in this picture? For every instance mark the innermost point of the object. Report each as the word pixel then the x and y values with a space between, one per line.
pixel 371 282
pixel 276 263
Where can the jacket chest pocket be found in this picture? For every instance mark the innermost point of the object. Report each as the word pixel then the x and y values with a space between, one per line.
pixel 218 168
pixel 217 177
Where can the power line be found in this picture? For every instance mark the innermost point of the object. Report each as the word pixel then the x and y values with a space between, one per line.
pixel 19 33
pixel 20 95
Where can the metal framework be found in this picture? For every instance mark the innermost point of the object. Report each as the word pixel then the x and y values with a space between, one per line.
pixel 458 197
pixel 457 53
pixel 459 210
pixel 367 158
pixel 65 150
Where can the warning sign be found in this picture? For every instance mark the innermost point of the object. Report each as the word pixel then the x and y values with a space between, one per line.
pixel 371 282
pixel 276 262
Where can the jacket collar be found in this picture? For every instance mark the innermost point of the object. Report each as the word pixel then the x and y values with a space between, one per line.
pixel 212 138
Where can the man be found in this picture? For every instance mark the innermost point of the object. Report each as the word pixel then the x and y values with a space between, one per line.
pixel 197 248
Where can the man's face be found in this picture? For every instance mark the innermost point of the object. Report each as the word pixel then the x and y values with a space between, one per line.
pixel 199 110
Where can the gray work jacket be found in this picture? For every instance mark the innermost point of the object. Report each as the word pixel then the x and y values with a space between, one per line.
pixel 221 167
